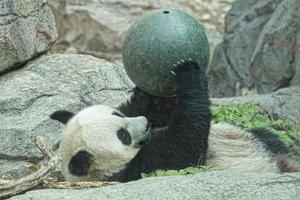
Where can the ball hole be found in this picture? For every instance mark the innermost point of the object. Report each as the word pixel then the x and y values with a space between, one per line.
pixel 166 12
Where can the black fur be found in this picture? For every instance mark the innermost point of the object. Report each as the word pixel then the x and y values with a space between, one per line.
pixel 188 117
pixel 156 109
pixel 124 136
pixel 62 116
pixel 80 164
pixel 118 114
pixel 270 140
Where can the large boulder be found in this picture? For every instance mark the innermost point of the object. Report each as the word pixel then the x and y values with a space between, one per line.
pixel 29 95
pixel 260 50
pixel 98 27
pixel 204 186
pixel 27 29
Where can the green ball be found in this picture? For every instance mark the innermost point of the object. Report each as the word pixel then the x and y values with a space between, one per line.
pixel 155 42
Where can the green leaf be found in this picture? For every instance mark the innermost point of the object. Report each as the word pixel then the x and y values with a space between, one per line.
pixel 247 116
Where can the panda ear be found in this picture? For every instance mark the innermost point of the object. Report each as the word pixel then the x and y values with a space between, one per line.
pixel 62 116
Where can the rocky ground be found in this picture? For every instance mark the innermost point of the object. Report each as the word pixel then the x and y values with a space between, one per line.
pixel 252 57
pixel 104 23
pixel 213 185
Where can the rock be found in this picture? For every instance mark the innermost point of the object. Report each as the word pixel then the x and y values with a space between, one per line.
pixel 260 50
pixel 13 169
pixel 27 29
pixel 284 103
pixel 296 78
pixel 204 186
pixel 98 27
pixel 29 95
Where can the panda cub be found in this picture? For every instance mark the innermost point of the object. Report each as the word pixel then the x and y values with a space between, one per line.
pixel 147 133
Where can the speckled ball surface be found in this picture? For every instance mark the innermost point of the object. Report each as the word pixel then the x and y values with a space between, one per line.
pixel 155 42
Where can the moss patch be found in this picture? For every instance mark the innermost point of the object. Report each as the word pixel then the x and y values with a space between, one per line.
pixel 248 116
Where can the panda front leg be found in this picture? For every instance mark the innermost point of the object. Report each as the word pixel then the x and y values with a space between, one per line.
pixel 190 121
pixel 156 109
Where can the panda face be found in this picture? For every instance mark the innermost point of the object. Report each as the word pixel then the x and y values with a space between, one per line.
pixel 110 138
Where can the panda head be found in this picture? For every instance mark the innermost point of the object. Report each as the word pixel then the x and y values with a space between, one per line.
pixel 99 141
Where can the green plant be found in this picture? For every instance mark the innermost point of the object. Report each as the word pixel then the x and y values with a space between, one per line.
pixel 181 172
pixel 249 115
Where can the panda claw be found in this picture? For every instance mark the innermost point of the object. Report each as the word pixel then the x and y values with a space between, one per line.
pixel 185 65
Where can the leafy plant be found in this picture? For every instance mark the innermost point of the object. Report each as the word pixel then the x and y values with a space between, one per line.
pixel 186 171
pixel 249 115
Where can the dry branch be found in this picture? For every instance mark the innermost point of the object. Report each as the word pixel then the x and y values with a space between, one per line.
pixel 23 184
pixel 53 184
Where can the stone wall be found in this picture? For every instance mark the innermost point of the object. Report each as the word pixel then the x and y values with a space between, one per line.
pixel 27 29
pixel 260 51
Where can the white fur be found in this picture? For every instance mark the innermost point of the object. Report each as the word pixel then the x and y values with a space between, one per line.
pixel 233 149
pixel 95 129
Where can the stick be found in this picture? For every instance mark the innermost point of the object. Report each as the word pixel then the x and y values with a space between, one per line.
pixel 14 187
pixel 53 184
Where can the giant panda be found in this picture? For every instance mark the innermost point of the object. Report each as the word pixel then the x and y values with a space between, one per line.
pixel 147 133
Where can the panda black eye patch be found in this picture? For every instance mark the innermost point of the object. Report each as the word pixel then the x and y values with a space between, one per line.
pixel 124 136
pixel 117 114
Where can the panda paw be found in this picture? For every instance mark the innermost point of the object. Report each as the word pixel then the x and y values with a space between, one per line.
pixel 187 73
pixel 185 66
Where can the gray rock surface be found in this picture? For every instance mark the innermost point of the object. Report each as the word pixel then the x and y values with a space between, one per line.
pixel 284 103
pixel 205 186
pixel 30 94
pixel 98 27
pixel 260 50
pixel 13 169
pixel 27 29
